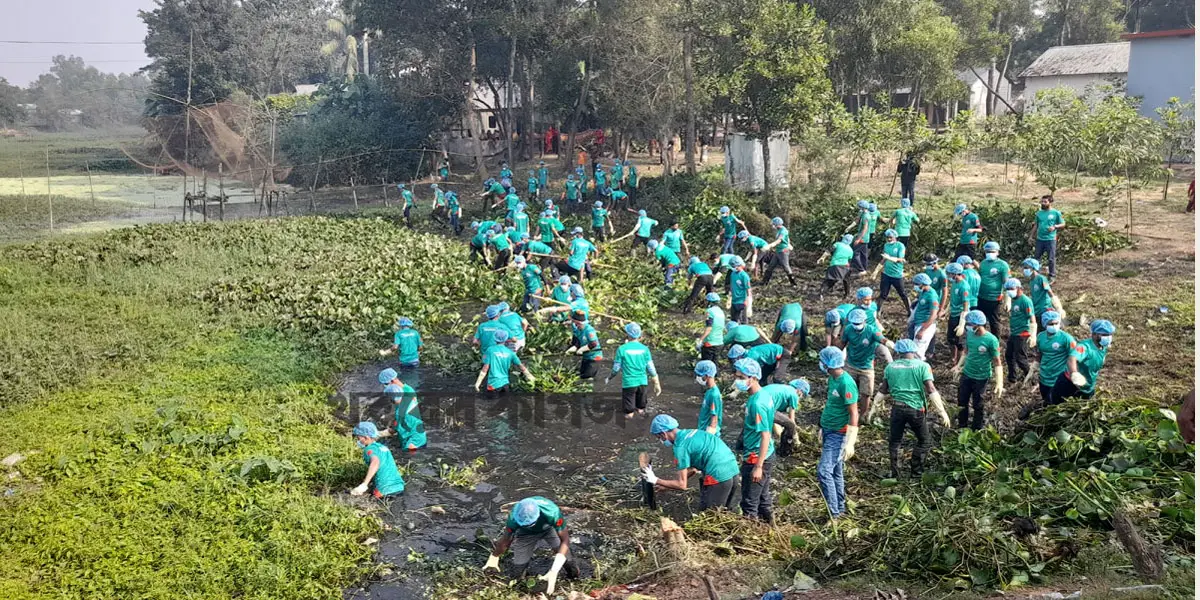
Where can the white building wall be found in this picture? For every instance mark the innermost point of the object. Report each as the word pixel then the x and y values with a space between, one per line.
pixel 744 161
pixel 1083 85
pixel 1160 68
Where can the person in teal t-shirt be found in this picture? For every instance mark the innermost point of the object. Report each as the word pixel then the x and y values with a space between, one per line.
pixel 791 328
pixel 712 410
pixel 979 364
pixel 699 450
pixel 903 219
pixel 729 229
pixel 532 185
pixel 516 325
pixel 381 466
pixel 839 429
pixel 407 425
pixel 704 283
pixel 757 442
pixel 532 522
pixel 893 259
pixel 1045 233
pixel 1084 364
pixel 667 259
pixel 585 343
pixel 571 191
pixel 713 337
pixel 543 175
pixel 642 230
pixel 498 360
pixel 971 228
pixel 407 201
pixel 601 221
pixel 408 341
pixel 636 366
pixel 531 277
pixel 839 266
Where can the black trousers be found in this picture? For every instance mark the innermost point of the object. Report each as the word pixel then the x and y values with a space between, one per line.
pixel 903 239
pixel 737 312
pixel 633 399
pixel 1064 389
pixel 991 310
pixel 906 417
pixel 703 282
pixel 478 252
pixel 598 233
pixel 718 495
pixel 588 368
pixel 710 353
pixel 835 274
pixel 908 189
pixel 860 257
pixel 965 250
pixel 777 260
pixel 1016 357
pixel 502 258
pixel 887 283
pixel 767 372
pixel 970 397
pixel 756 496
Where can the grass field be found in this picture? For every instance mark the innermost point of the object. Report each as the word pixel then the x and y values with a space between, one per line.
pixel 103 150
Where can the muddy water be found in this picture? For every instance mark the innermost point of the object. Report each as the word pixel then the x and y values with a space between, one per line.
pixel 576 449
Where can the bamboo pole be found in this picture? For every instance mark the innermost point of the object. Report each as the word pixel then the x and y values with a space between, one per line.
pixel 21 172
pixel 50 198
pixel 221 187
pixel 88 166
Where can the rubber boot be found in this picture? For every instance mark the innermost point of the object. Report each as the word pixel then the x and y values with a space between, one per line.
pixel 895 462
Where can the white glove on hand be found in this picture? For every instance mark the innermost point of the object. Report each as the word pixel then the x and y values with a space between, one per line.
pixel 880 398
pixel 823 257
pixel 1078 379
pixel 551 578
pixel 493 562
pixel 890 345
pixel 385 352
pixel 1007 303
pixel 1032 340
pixel 935 400
pixel 479 381
pixel 848 443
pixel 571 350
pixel 657 387
pixel 878 269
pixel 648 475
pixel 529 378
pixel 711 429
pixel 358 491
pixel 582 350
pixel 999 376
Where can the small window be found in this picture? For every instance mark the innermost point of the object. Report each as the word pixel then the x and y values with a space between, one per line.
pixel 491 121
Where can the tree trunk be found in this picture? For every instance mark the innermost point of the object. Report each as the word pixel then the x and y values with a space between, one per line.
pixel 473 118
pixel 1129 196
pixel 1147 558
pixel 689 93
pixel 989 104
pixel 1170 163
pixel 766 150
pixel 1075 180
pixel 508 95
pixel 578 112
pixel 850 171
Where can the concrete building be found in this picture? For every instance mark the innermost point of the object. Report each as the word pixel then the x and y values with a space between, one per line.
pixel 1162 64
pixel 1082 68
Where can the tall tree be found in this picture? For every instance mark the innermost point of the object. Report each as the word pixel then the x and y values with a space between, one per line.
pixel 923 54
pixel 10 99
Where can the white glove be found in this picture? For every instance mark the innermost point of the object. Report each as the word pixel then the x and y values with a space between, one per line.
pixel 711 429
pixel 571 350
pixel 479 380
pixel 1078 379
pixel 890 345
pixel 823 257
pixel 529 378
pixel 878 269
pixel 493 562
pixel 880 398
pixel 1033 370
pixel 961 329
pixel 1058 307
pixel 935 400
pixel 385 352
pixel 1032 341
pixel 848 443
pixel 999 375
pixel 657 387
pixel 582 350
pixel 358 491
pixel 648 475
pixel 551 577
pixel 1007 303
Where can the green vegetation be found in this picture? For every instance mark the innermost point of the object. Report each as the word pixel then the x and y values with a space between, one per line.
pixel 101 149
pixel 23 219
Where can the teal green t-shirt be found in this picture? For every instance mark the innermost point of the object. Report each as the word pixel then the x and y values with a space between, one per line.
pixel 993 274
pixel 714 318
pixel 571 189
pixel 711 406
pixel 741 334
pixel 549 518
pixel 664 253
pixel 387 479
pixel 406 416
pixel 636 364
pixel 860 346
pixel 874 220
pixel 579 252
pixel 598 216
pixel 499 359
pixel 728 225
pixel 760 417
pixel 537 247
pixel 547 226
pixel 969 221
pixel 699 268
pixel 784 238
pixel 705 452
pixel 644 226
pixel 927 305
pixel 892 268
pixel 1054 350
pixel 765 354
pixel 1039 289
pixel 408 342
pixel 973 282
pixel 521 222
pixel 673 239
pixel 864 227
pixel 981 351
pixel 739 286
pixel 905 217
pixel 938 276
pixel 1089 359
pixel 842 253
pixel 1021 316
pixel 586 336
pixel 960 300
pixel 842 393
pixel 906 379
pixel 531 275
pixel 1045 220
pixel 792 311
pixel 485 333
pixel 500 242
pixel 513 321
pixel 782 396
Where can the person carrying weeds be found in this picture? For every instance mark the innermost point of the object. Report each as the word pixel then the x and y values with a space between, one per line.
pixel 498 360
pixel 712 410
pixel 791 328
pixel 533 521
pixel 700 451
pixel 406 425
pixel 757 442
pixel 1084 364
pixel 408 341
pixel 703 276
pixel 839 430
pixel 636 366
pixel 839 266
pixel 909 382
pixel 381 466
pixel 712 339
pixel 980 359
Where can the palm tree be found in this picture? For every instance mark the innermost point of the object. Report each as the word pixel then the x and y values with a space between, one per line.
pixel 344 44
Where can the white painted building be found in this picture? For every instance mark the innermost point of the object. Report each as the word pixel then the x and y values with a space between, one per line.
pixel 1083 68
pixel 1162 64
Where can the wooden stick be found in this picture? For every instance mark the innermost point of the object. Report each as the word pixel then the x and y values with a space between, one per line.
pixel 594 312
pixel 88 166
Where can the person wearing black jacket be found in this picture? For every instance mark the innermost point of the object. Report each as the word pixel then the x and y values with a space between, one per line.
pixel 908 169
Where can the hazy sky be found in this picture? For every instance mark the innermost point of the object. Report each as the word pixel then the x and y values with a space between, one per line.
pixel 71 21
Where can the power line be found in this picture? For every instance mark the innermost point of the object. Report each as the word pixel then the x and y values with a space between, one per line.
pixel 50 60
pixel 74 43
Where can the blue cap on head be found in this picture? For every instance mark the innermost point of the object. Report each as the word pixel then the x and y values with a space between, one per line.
pixel 863 204
pixel 541 162
pixel 922 279
pixel 743 235
pixel 891 233
pixel 736 351
pixel 833 317
pixel 954 269
pixel 662 424
pixel 906 346
pixel 1032 263
pixel 1103 327
pixel 404 322
pixel 571 177
pixel 400 186
pixel 1012 283
pixel 832 357
pixel 526 512
pixel 366 429
pixel 749 368
pixel 857 316
pixel 576 291
pixel 847 239
pixel 549 203
pixel 633 330
pixel 724 210
pixel 801 386
pixel 787 326
pixel 598 204
pixel 433 186
pixel 510 228
pixel 871 207
pixel 706 368
pixel 504 307
pixel 577 231
pixel 960 210
pixel 518 260
pixel 475 225
pixel 500 335
pixel 991 247
pixel 564 280
pixel 525 235
pixel 652 244
pixel 976 318
pixel 520 206
pixel 964 260
pixel 730 325
pixel 451 196
pixel 905 203
pixel 492 311
pixel 497 228
pixel 641 213
pixel 863 293
pixel 713 297
pixel 387 375
pixel 693 260
pixel 1050 316
pixel 737 262
pixel 531 172
pixel 777 222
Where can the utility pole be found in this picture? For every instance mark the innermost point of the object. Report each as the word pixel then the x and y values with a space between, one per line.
pixel 50 199
pixel 187 130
